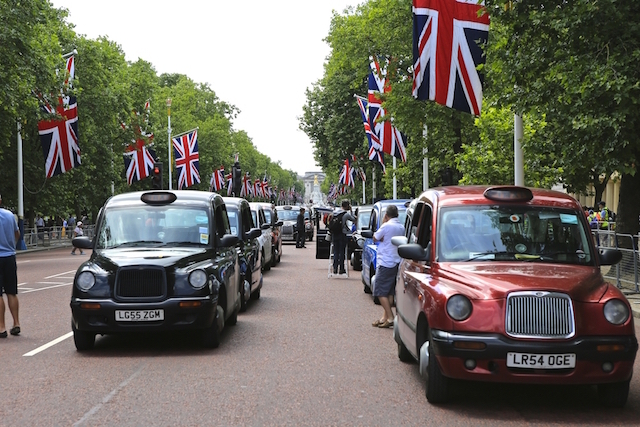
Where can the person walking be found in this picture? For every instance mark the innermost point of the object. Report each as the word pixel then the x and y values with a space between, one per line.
pixel 339 237
pixel 301 229
pixel 77 232
pixel 387 264
pixel 9 234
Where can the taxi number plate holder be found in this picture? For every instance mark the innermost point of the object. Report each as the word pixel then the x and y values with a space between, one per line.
pixel 541 361
pixel 139 315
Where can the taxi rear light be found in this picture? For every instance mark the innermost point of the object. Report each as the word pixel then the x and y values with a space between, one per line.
pixel 470 345
pixel 189 304
pixel 606 348
pixel 90 305
pixel 508 194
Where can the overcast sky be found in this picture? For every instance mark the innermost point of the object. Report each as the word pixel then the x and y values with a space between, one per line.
pixel 259 56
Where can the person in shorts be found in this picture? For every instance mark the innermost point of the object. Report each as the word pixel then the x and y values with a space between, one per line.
pixel 387 261
pixel 9 234
pixel 77 232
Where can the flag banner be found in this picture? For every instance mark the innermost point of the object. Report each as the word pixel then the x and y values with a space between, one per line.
pixel 264 185
pixel 447 40
pixel 347 174
pixel 185 148
pixel 59 135
pixel 217 180
pixel 229 179
pixel 391 140
pixel 374 153
pixel 138 161
pixel 247 187
pixel 257 188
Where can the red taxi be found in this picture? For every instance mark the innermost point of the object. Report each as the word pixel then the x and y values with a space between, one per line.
pixel 503 284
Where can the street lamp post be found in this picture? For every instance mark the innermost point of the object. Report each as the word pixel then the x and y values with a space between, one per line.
pixel 169 141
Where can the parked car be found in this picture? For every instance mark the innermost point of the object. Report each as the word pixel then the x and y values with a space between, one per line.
pixel 356 243
pixel 503 284
pixel 248 248
pixel 162 260
pixel 271 215
pixel 266 239
pixel 289 215
pixel 370 249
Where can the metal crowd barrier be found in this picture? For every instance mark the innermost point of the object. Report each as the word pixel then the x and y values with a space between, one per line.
pixel 625 273
pixel 52 236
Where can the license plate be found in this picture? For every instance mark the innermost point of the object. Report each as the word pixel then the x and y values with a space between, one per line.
pixel 139 315
pixel 287 237
pixel 541 361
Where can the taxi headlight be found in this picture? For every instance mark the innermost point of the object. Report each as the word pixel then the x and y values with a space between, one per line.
pixel 616 312
pixel 85 281
pixel 360 243
pixel 198 279
pixel 459 307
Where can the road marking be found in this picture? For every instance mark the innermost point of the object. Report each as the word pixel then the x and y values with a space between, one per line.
pixel 48 287
pixel 60 274
pixel 20 284
pixel 107 398
pixel 49 344
pixel 52 283
pixel 23 262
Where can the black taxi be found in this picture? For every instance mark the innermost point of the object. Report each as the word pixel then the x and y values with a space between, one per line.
pixel 162 260
pixel 248 247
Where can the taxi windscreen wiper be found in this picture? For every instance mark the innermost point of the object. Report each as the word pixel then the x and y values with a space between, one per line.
pixel 137 243
pixel 488 256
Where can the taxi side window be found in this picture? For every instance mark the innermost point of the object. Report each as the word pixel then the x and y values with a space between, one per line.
pixel 423 224
pixel 373 221
pixel 412 224
pixel 247 221
pixel 222 221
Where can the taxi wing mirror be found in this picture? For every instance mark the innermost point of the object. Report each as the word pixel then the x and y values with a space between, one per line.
pixel 399 240
pixel 367 234
pixel 228 240
pixel 82 242
pixel 414 251
pixel 608 256
pixel 265 226
pixel 254 233
pixel 279 223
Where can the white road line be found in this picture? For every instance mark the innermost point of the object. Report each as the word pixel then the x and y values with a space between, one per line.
pixel 107 398
pixel 60 274
pixel 20 284
pixel 26 289
pixel 23 262
pixel 49 344
pixel 48 287
pixel 52 283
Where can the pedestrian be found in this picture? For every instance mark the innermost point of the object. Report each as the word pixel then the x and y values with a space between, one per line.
pixel 387 261
pixel 605 217
pixel 40 227
pixel 339 236
pixel 77 232
pixel 9 234
pixel 301 229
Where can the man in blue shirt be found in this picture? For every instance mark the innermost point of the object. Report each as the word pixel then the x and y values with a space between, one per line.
pixel 387 260
pixel 9 234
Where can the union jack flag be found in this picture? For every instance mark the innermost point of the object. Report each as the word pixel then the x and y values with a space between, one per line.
pixel 138 161
pixel 346 174
pixel 447 35
pixel 391 140
pixel 257 188
pixel 217 180
pixel 59 137
pixel 187 159
pixel 229 179
pixel 374 153
pixel 247 188
pixel 266 190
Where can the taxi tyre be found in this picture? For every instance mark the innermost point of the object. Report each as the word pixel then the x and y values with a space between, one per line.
pixel 211 335
pixel 614 395
pixel 437 385
pixel 256 295
pixel 83 340
pixel 403 352
pixel 243 302
pixel 372 281
pixel 265 266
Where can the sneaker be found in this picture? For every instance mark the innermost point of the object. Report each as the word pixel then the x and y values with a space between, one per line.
pixel 342 271
pixel 73 253
pixel 335 270
pixel 81 253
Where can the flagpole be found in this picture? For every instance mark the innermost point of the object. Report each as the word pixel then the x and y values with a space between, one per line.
pixel 169 141
pixel 373 172
pixel 20 245
pixel 395 186
pixel 364 194
pixel 425 162
pixel 518 156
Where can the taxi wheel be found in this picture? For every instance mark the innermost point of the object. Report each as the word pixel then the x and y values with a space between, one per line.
pixel 266 266
pixel 211 335
pixel 233 319
pixel 614 395
pixel 82 339
pixel 403 353
pixel 437 390
pixel 255 295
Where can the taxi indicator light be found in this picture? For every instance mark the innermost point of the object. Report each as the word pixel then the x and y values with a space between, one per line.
pixel 508 194
pixel 158 198
pixel 610 347
pixel 189 304
pixel 90 305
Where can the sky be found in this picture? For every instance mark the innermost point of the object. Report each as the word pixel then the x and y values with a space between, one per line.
pixel 256 55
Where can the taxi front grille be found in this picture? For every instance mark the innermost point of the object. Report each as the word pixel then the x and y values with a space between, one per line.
pixel 146 283
pixel 287 229
pixel 540 315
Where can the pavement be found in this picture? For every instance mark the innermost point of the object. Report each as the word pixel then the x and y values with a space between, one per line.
pixel 632 296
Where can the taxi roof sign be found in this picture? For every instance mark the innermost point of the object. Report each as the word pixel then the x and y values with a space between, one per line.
pixel 158 198
pixel 508 194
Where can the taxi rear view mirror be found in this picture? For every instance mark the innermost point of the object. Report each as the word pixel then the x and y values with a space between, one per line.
pixel 414 251
pixel 368 234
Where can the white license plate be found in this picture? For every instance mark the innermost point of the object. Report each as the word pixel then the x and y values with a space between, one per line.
pixel 541 361
pixel 139 315
pixel 287 237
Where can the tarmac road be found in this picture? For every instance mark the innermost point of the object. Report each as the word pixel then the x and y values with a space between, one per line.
pixel 304 354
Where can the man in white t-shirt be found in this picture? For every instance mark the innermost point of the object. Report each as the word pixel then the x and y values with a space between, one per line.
pixel 387 261
pixel 77 232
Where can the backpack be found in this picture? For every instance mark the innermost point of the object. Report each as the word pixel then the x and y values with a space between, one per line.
pixel 612 216
pixel 335 224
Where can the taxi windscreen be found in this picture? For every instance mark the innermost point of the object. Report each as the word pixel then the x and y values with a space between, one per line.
pixel 153 226
pixel 520 233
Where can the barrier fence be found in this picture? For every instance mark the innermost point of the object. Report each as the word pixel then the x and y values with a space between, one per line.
pixel 625 273
pixel 52 236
